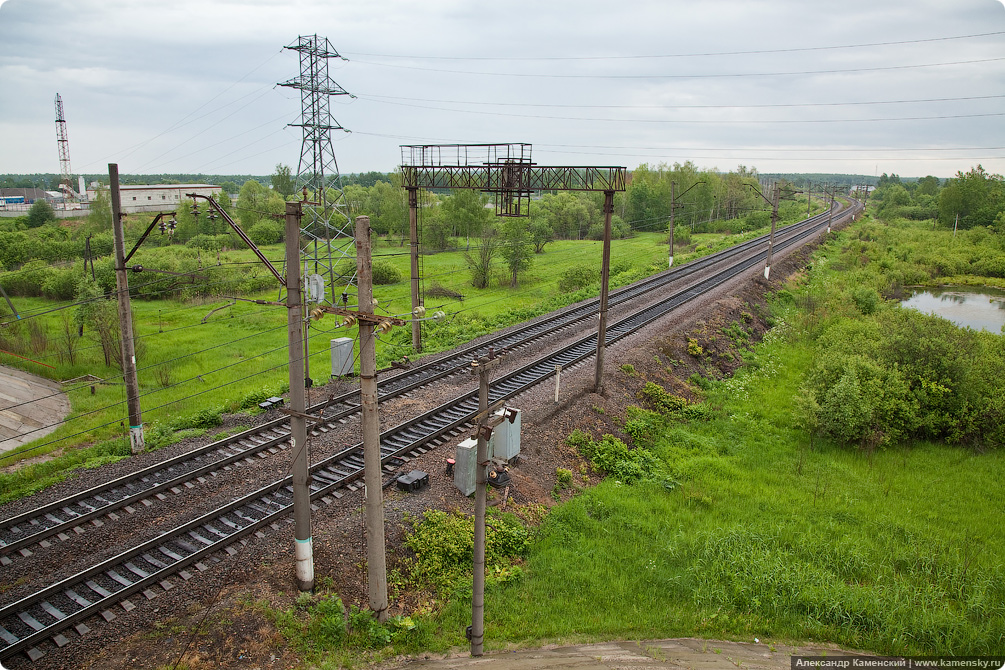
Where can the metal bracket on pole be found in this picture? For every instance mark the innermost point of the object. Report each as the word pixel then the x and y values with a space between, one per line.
pixel 237 229
pixel 145 233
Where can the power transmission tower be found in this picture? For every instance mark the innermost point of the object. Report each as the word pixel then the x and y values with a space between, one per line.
pixel 63 143
pixel 326 234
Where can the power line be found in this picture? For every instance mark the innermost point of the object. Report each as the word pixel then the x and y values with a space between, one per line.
pixel 367 96
pixel 688 121
pixel 683 55
pixel 719 75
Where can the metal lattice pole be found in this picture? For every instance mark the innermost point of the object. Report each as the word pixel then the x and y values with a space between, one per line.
pixel 326 234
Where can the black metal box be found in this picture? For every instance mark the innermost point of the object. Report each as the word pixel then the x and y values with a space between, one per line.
pixel 413 481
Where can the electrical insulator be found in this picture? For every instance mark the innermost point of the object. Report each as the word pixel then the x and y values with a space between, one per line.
pixel 349 322
pixel 419 312
pixel 162 226
pixel 317 313
pixel 173 223
pixel 439 315
pixel 384 327
pixel 373 301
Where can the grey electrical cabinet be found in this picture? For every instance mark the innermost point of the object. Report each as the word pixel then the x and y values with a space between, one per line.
pixel 465 466
pixel 506 437
pixel 341 356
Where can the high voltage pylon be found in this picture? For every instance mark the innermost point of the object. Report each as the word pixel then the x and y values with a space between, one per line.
pixel 326 235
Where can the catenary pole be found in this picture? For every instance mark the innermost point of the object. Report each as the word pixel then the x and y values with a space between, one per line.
pixel 482 367
pixel 298 422
pixel 376 566
pixel 125 317
pixel 673 208
pixel 413 234
pixel 771 239
pixel 605 272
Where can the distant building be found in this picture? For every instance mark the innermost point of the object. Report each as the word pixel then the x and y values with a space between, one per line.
pixel 25 195
pixel 158 197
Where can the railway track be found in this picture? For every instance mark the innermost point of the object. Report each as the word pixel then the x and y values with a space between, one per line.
pixel 32 623
pixel 99 505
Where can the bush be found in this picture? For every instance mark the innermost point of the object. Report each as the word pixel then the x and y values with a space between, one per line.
pixel 29 280
pixel 866 299
pixel 612 457
pixel 443 544
pixel 662 400
pixel 681 236
pixel 40 213
pixel 61 284
pixel 385 273
pixel 208 242
pixel 265 232
pixel 619 230
pixel 576 278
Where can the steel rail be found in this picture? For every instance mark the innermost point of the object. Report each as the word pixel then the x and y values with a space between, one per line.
pixel 61 516
pixel 151 563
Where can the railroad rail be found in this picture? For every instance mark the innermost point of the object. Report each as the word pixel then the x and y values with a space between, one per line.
pixel 160 564
pixel 98 505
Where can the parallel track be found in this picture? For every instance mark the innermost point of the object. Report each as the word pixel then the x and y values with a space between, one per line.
pixel 151 566
pixel 62 517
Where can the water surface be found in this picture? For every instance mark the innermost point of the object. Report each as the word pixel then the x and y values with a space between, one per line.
pixel 980 308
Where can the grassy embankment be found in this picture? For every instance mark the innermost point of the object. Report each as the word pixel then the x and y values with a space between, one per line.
pixel 191 371
pixel 726 520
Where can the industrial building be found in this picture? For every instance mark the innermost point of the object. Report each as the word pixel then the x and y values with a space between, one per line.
pixel 158 197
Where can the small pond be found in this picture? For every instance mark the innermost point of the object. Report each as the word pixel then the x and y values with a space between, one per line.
pixel 979 307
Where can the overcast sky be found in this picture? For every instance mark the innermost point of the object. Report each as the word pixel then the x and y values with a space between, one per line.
pixel 913 87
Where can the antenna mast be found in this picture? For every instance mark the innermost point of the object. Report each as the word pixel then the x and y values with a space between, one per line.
pixel 65 185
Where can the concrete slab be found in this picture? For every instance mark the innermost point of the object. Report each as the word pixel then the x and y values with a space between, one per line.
pixel 29 407
pixel 675 654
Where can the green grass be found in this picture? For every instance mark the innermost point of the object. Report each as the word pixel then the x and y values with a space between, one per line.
pixel 754 535
pixel 741 530
pixel 238 357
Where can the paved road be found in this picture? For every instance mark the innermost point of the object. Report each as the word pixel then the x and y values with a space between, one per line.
pixel 678 654
pixel 28 404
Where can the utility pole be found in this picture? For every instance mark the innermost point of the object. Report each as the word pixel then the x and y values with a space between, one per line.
pixel 376 567
pixel 830 212
pixel 771 239
pixel 809 197
pixel 125 318
pixel 413 233
pixel 482 367
pixel 673 208
pixel 298 421
pixel 605 274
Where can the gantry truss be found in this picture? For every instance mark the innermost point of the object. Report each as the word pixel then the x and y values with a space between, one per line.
pixel 505 170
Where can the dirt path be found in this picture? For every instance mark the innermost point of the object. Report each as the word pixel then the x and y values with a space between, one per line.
pixel 30 407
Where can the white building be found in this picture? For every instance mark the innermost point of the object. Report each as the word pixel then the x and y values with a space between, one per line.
pixel 158 197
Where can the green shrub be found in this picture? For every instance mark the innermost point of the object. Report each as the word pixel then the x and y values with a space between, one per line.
pixel 61 284
pixel 681 236
pixel 866 299
pixel 385 273
pixel 662 400
pixel 443 545
pixel 613 457
pixel 577 277
pixel 207 242
pixel 265 232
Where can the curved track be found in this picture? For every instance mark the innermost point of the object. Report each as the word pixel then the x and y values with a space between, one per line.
pixel 163 562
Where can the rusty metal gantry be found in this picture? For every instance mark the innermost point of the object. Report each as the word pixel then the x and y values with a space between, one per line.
pixel 507 172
